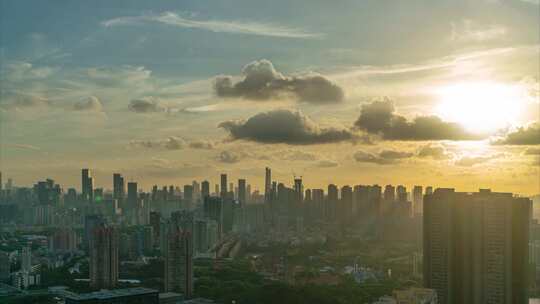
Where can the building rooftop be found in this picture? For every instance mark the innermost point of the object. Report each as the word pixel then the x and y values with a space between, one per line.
pixel 109 294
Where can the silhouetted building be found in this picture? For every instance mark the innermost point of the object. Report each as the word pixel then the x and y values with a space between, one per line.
pixel 179 261
pixel 87 185
pixel 476 246
pixel 118 187
pixel 103 257
pixel 132 196
pixel 242 191
pixel 223 186
pixel 205 189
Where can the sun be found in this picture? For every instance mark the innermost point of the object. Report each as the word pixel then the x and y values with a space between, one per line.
pixel 481 107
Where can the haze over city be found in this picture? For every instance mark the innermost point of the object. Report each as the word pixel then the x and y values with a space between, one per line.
pixel 228 151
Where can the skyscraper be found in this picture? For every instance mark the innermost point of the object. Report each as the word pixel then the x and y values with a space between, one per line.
pixel 87 184
pixel 476 246
pixel 132 195
pixel 331 202
pixel 179 261
pixel 267 184
pixel 205 189
pixel 418 199
pixel 223 188
pixel 188 196
pixel 345 204
pixel 118 187
pixel 242 191
pixel 104 257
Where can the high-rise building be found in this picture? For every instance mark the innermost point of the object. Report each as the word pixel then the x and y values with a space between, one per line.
pixel 87 184
pixel 242 191
pixel 331 202
pixel 118 187
pixel 213 209
pixel 345 204
pixel 179 261
pixel 132 195
pixel 5 267
pixel 418 199
pixel 476 246
pixel 298 190
pixel 104 257
pixel 188 196
pixel 401 193
pixel 389 193
pixel 205 189
pixel 223 186
pixel 429 190
pixel 267 184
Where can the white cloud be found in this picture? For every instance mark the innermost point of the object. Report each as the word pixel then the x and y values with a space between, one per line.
pixel 218 26
pixel 469 31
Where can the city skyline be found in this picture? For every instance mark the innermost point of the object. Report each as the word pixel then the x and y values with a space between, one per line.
pixel 122 91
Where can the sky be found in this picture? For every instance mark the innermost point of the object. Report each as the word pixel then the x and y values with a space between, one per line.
pixel 442 93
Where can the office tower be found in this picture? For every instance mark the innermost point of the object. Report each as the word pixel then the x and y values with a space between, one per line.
pixel 196 190
pixel 26 259
pixel 242 192
pixel 345 205
pixel 429 190
pixel 331 202
pixel 476 246
pixel 213 209
pixel 103 257
pixel 298 190
pixel 132 196
pixel 223 188
pixel 248 193
pixel 418 199
pixel 87 185
pixel 317 197
pixel 90 223
pixel 5 267
pixel 307 195
pixel 118 187
pixel 389 193
pixel 179 261
pixel 188 196
pixel 401 193
pixel 155 222
pixel 205 189
pixel 267 184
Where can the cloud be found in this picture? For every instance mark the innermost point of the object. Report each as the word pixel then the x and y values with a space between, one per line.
pixel 529 135
pixel 384 157
pixel 469 161
pixel 20 101
pixel 261 81
pixel 22 146
pixel 379 118
pixel 217 26
pixel 91 103
pixel 146 105
pixel 469 31
pixel 201 144
pixel 298 155
pixel 228 157
pixel 170 143
pixel 326 164
pixel 284 126
pixel 532 151
pixel 433 151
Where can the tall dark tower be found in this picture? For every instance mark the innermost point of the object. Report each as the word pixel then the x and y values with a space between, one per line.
pixel 223 189
pixel 267 185
pixel 242 191
pixel 118 187
pixel 205 189
pixel 132 195
pixel 103 257
pixel 87 185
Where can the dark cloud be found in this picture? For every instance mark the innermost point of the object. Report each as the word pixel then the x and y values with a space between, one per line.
pixel 261 81
pixel 146 105
pixel 529 135
pixel 228 157
pixel 433 151
pixel 379 118
pixel 170 143
pixel 284 126
pixel 92 103
pixel 384 157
